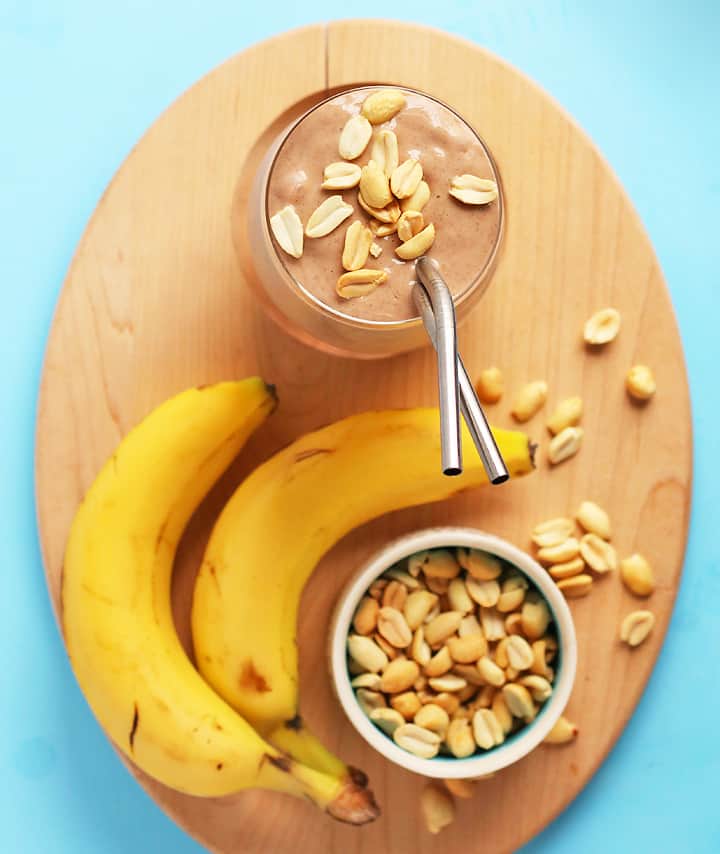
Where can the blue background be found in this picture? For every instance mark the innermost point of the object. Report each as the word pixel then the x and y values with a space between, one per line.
pixel 80 82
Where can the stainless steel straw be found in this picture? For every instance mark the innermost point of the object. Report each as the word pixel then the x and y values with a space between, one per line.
pixel 432 284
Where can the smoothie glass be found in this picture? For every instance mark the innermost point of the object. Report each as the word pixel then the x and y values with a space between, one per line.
pixel 335 328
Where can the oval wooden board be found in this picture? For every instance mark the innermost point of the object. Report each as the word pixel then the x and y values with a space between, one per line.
pixel 155 301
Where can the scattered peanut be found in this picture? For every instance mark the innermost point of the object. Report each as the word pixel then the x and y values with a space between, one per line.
pixel 490 385
pixel 640 382
pixel 565 445
pixel 486 729
pixel 637 575
pixel 406 178
pixel 438 808
pixel 575 587
pixel 418 200
pixel 598 554
pixel 519 701
pixel 567 569
pixel 460 788
pixel 375 186
pixel 594 519
pixel 553 532
pixel 566 414
pixel 529 400
pixel 562 733
pixel 440 663
pixel 636 627
pixel 602 327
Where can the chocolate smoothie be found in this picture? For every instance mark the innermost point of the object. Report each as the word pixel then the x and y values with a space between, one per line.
pixel 466 235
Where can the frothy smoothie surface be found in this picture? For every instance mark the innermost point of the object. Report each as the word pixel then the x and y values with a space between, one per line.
pixel 466 231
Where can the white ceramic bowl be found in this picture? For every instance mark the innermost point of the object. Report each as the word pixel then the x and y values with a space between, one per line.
pixel 517 745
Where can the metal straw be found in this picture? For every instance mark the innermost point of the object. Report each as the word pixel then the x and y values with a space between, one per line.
pixel 472 411
pixel 445 343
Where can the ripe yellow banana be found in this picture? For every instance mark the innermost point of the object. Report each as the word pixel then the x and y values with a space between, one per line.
pixel 116 608
pixel 277 526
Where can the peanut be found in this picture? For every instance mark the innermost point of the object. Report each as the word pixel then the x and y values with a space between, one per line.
pixel 406 178
pixel 387 719
pixel 288 231
pixel 441 563
pixel 399 676
pixel 535 617
pixel 492 623
pixel 469 626
pixel 358 238
pixel 602 327
pixel 410 224
pixel 328 216
pixel 440 663
pixel 594 519
pixel 562 733
pixel 636 627
pixel 444 625
pixel 407 704
pixel 375 186
pixel 467 650
pixel 459 738
pixel 417 245
pixel 566 414
pixel 369 700
pixel 567 569
pixel 394 628
pixel 538 686
pixel 519 652
pixel 560 553
pixel 460 788
pixel 394 596
pixel 433 717
pixel 367 680
pixel 384 151
pixel 637 575
pixel 417 606
pixel 485 593
pixel 529 400
pixel 640 382
pixel 421 742
pixel 418 200
pixel 553 532
pixel 501 712
pixel 367 653
pixel 599 555
pixel 341 176
pixel 519 702
pixel 438 808
pixel 575 587
pixel 479 564
pixel 486 729
pixel 490 672
pixel 359 283
pixel 565 445
pixel 447 684
pixel 471 190
pixel 365 619
pixel 354 137
pixel 490 385
pixel 382 105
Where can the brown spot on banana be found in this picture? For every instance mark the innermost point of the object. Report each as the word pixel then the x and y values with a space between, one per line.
pixel 282 763
pixel 251 680
pixel 295 723
pixel 312 452
pixel 133 728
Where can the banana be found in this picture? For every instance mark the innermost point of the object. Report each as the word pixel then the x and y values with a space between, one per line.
pixel 117 619
pixel 280 522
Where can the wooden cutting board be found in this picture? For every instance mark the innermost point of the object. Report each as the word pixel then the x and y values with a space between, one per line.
pixel 155 301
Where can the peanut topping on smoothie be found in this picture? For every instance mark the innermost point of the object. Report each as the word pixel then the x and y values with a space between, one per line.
pixel 413 175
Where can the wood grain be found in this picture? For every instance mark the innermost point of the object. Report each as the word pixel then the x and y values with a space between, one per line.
pixel 155 301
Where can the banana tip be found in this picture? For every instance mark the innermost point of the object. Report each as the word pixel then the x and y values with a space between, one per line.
pixel 356 803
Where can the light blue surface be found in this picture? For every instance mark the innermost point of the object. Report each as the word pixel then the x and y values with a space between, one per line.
pixel 78 86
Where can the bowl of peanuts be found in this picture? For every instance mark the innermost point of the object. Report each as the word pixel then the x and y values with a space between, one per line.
pixel 452 652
